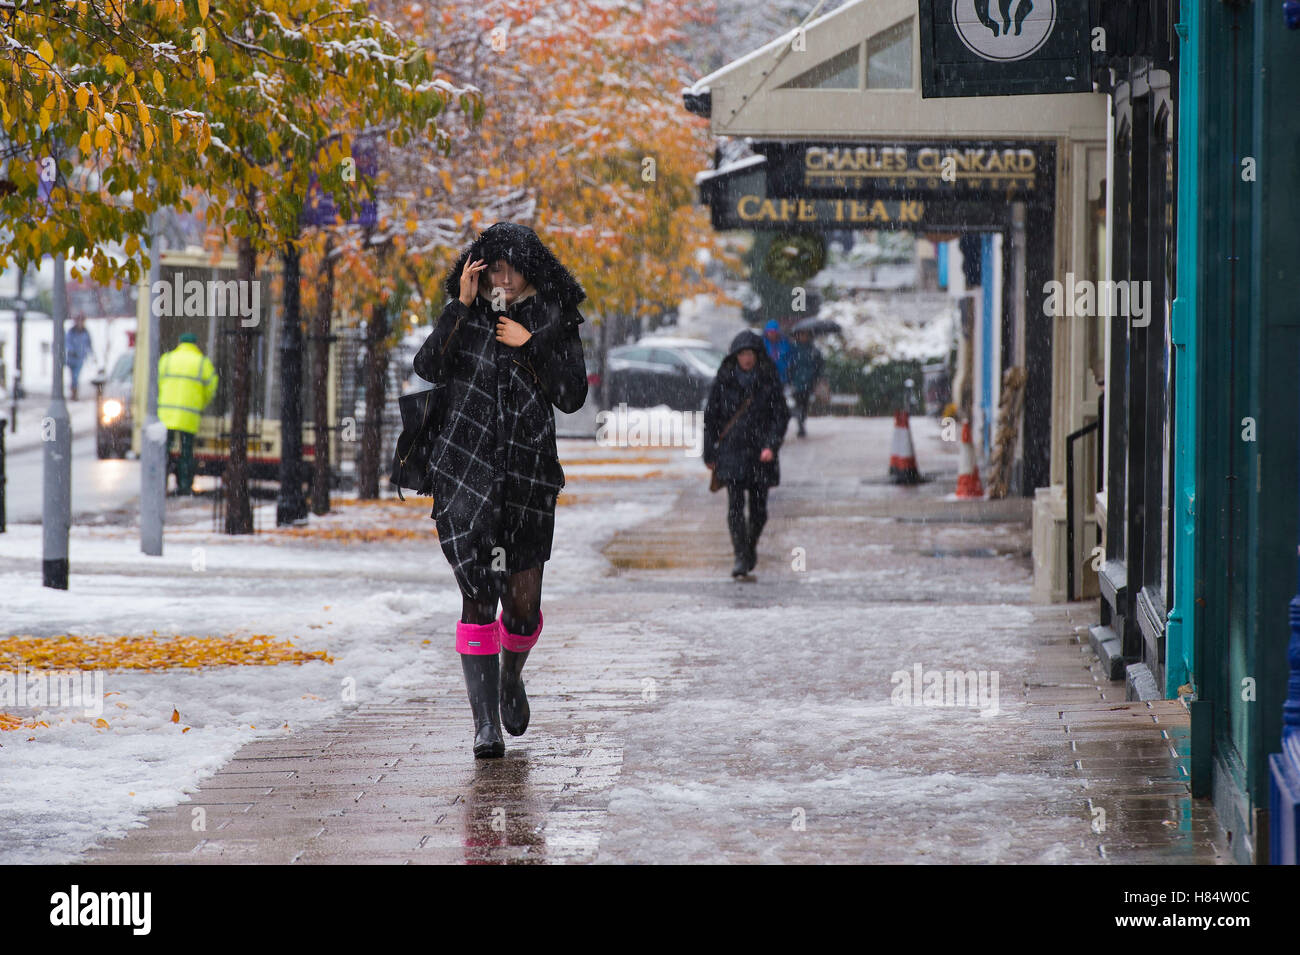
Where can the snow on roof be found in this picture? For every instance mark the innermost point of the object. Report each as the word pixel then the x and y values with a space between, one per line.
pixel 775 46
pixel 746 163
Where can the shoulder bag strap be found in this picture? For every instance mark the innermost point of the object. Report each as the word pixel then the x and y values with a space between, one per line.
pixel 739 411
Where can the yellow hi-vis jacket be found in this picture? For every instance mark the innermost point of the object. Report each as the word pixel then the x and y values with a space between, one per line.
pixel 186 383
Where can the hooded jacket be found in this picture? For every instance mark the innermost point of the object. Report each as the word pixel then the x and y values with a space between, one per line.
pixel 779 350
pixel 494 471
pixel 761 425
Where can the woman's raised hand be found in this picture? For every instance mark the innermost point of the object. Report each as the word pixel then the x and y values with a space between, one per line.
pixel 469 281
pixel 510 332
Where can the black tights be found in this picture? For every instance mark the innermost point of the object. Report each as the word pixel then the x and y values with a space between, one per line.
pixel 736 509
pixel 521 604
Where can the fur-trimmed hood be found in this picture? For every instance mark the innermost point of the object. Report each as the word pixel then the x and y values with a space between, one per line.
pixel 520 246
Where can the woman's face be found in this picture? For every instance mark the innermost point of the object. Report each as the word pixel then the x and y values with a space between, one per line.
pixel 745 358
pixel 504 276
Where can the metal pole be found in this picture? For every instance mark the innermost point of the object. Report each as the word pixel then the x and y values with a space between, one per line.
pixel 292 504
pixel 56 515
pixel 153 436
pixel 18 352
pixel 3 479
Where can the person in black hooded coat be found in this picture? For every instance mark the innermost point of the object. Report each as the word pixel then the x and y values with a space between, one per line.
pixel 747 389
pixel 506 347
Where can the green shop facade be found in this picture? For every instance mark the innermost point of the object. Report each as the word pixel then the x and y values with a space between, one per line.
pixel 1236 510
pixel 1203 403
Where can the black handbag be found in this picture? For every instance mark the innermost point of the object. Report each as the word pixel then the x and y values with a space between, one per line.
pixel 421 421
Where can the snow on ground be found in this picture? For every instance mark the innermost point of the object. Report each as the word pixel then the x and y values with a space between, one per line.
pixel 808 727
pixel 376 607
pixel 913 325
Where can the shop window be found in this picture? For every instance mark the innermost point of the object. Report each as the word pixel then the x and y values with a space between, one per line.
pixel 840 72
pixel 889 58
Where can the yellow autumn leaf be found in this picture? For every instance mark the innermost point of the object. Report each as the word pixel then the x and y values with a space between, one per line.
pixel 83 97
pixel 114 63
pixel 45 51
pixel 158 82
pixel 103 137
pixel 203 10
pixel 147 133
pixel 43 119
pixel 176 130
pixel 176 716
pixel 101 723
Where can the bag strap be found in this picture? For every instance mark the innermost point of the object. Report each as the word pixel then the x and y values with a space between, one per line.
pixel 452 335
pixel 739 411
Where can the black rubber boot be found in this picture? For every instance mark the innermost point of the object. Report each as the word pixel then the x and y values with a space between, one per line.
pixel 514 701
pixel 751 546
pixel 740 544
pixel 482 683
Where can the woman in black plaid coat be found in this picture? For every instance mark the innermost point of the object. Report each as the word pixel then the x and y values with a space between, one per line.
pixel 507 348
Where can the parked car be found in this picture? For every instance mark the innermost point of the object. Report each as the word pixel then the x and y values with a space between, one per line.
pixel 113 407
pixel 676 372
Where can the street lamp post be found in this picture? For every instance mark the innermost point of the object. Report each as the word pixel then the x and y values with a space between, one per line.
pixel 56 514
pixel 153 434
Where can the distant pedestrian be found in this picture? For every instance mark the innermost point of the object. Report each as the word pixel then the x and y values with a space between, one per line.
pixel 186 383
pixel 508 350
pixel 744 424
pixel 77 348
pixel 778 349
pixel 806 367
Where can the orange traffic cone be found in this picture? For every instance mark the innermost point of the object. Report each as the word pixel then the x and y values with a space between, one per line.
pixel 968 476
pixel 902 455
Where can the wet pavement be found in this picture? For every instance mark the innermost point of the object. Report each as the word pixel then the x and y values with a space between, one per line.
pixel 681 716
pixel 97 485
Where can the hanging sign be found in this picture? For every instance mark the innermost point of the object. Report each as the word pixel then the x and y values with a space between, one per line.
pixel 1004 47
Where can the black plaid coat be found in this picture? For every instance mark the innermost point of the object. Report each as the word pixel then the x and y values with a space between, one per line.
pixel 494 470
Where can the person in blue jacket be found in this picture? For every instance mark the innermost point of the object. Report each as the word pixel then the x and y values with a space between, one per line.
pixel 76 349
pixel 778 349
pixel 806 366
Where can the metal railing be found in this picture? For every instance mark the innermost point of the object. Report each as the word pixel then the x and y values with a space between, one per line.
pixel 1069 500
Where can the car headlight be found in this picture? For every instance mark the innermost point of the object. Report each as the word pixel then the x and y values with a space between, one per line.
pixel 110 411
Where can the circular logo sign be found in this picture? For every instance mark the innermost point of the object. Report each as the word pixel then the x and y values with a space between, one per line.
pixel 1003 30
